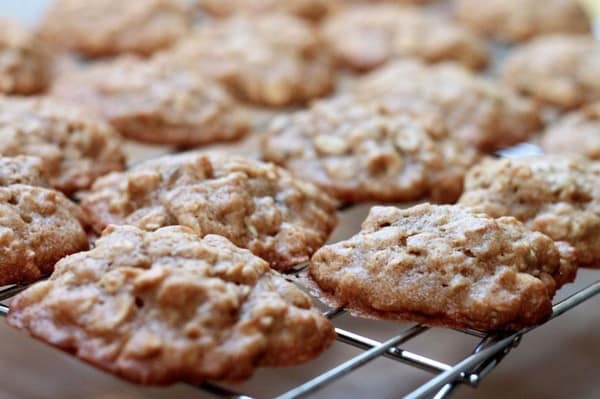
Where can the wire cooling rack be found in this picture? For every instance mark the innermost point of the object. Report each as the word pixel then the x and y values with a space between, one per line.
pixel 486 355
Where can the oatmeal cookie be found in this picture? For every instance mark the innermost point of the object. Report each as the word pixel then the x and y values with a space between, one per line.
pixel 37 228
pixel 576 133
pixel 477 110
pixel 165 306
pixel 559 70
pixel 109 27
pixel 75 147
pixel 271 59
pixel 24 60
pixel 520 20
pixel 256 205
pixel 22 170
pixel 444 265
pixel 156 103
pixel 556 195
pixel 359 153
pixel 367 36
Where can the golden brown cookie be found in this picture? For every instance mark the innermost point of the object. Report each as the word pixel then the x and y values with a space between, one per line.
pixel 156 103
pixel 25 62
pixel 307 9
pixel 556 195
pixel 22 170
pixel 109 27
pixel 37 228
pixel 75 146
pixel 367 36
pixel 575 133
pixel 519 20
pixel 256 205
pixel 444 265
pixel 165 306
pixel 359 153
pixel 560 70
pixel 477 110
pixel 271 59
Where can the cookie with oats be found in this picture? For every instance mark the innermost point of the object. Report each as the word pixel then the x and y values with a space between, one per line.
pixel 22 170
pixel 102 28
pixel 268 59
pixel 559 70
pixel 156 103
pixel 165 306
pixel 255 205
pixel 520 20
pixel 25 61
pixel 477 110
pixel 308 9
pixel 575 133
pixel 74 145
pixel 444 265
pixel 556 195
pixel 38 227
pixel 367 36
pixel 357 152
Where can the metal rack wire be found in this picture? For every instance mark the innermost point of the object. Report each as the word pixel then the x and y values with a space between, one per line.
pixel 487 354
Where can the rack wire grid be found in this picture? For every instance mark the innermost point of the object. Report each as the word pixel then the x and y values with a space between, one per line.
pixel 470 371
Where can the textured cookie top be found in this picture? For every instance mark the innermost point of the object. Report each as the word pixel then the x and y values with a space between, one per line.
pixel 109 27
pixel 22 170
pixel 161 307
pixel 37 228
pixel 364 37
pixel 358 152
pixel 519 20
pixel 271 59
pixel 256 205
pixel 557 195
pixel 308 9
pixel 576 133
pixel 24 60
pixel 560 70
pixel 444 265
pixel 75 147
pixel 156 103
pixel 476 110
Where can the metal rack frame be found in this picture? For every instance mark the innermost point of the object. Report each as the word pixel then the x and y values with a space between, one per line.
pixel 487 354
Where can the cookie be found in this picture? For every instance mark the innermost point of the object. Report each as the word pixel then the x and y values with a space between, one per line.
pixel 165 306
pixel 22 170
pixel 156 103
pixel 75 146
pixel 444 265
pixel 556 195
pixel 359 153
pixel 367 36
pixel 109 27
pixel 477 110
pixel 24 60
pixel 520 20
pixel 559 70
pixel 575 133
pixel 255 205
pixel 37 228
pixel 313 10
pixel 270 59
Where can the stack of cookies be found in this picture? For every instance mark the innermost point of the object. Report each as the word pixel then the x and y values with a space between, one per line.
pixel 174 268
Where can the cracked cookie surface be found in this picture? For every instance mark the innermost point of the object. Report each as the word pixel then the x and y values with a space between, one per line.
pixel 165 306
pixel 74 145
pixel 556 195
pixel 256 205
pixel 22 170
pixel 444 265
